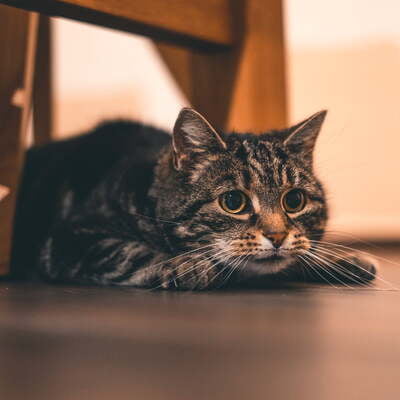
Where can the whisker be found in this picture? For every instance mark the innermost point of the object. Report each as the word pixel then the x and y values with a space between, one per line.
pixel 235 267
pixel 366 286
pixel 227 266
pixel 321 242
pixel 325 267
pixel 194 257
pixel 343 271
pixel 329 265
pixel 332 253
pixel 218 261
pixel 180 255
pixel 226 260
pixel 304 259
pixel 357 239
pixel 243 267
pixel 196 265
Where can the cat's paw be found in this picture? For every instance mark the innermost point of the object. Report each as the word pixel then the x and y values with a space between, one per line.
pixel 189 281
pixel 187 275
pixel 358 268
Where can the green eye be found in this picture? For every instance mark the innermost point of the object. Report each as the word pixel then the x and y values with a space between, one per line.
pixel 233 202
pixel 293 200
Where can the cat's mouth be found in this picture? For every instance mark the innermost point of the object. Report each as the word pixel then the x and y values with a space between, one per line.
pixel 267 263
pixel 270 258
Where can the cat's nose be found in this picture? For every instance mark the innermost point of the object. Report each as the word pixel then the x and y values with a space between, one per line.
pixel 276 238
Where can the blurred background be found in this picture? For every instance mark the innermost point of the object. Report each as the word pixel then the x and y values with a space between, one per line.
pixel 341 55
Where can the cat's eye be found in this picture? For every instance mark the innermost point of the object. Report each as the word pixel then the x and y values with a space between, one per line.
pixel 233 202
pixel 293 200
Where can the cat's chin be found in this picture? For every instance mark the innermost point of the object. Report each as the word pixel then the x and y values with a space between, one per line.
pixel 266 266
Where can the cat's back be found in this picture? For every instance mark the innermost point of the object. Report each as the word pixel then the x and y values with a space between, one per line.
pixel 93 153
pixel 81 162
pixel 76 165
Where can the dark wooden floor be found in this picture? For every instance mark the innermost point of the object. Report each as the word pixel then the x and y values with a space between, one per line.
pixel 291 343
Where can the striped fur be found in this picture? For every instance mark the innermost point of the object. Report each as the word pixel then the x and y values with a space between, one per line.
pixel 125 205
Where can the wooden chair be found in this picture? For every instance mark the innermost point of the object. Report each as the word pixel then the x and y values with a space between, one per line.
pixel 226 55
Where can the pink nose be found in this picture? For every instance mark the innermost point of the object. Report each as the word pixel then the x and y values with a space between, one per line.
pixel 276 238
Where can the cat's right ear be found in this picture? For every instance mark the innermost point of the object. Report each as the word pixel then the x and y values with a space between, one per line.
pixel 193 135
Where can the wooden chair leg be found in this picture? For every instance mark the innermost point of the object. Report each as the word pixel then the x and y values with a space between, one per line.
pixel 242 88
pixel 42 87
pixel 17 51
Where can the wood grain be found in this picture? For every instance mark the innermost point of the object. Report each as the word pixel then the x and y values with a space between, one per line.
pixel 17 47
pixel 43 84
pixel 195 23
pixel 305 342
pixel 243 88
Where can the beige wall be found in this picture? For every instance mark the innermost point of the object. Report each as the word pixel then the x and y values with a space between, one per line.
pixel 101 73
pixel 358 151
pixel 344 56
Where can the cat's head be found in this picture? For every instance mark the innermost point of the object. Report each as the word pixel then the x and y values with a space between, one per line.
pixel 251 197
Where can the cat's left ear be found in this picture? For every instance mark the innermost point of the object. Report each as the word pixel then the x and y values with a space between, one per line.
pixel 302 136
pixel 193 136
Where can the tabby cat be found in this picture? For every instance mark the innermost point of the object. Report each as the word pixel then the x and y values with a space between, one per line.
pixel 127 204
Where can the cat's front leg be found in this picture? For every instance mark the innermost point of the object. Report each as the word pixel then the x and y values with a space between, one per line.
pixel 191 273
pixel 344 267
pixel 98 251
pixel 101 252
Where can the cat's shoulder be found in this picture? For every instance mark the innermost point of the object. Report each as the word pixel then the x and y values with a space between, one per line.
pixel 109 136
pixel 129 131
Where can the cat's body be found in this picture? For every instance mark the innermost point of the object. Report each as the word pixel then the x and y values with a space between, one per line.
pixel 74 178
pixel 128 205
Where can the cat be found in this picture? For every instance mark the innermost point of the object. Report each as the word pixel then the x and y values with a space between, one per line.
pixel 128 204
